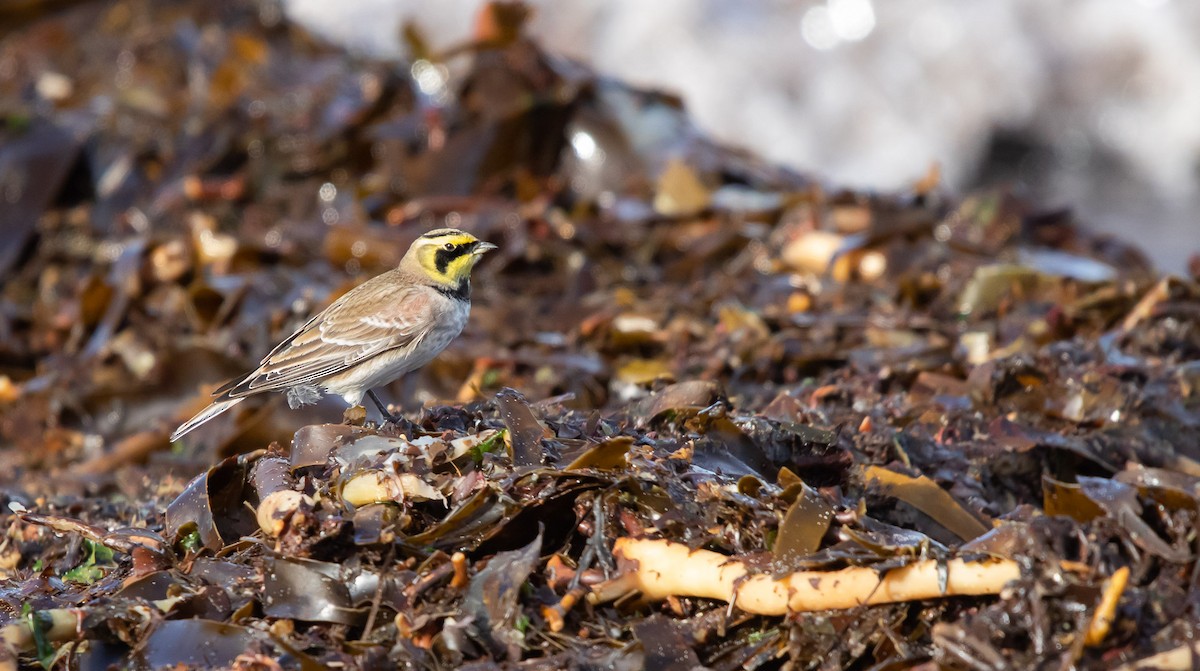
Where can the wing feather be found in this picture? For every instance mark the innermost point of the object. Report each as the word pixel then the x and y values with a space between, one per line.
pixel 375 317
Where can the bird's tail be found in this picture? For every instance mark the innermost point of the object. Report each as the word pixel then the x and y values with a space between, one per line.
pixel 215 408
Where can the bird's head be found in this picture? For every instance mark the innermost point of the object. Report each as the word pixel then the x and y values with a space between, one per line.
pixel 446 255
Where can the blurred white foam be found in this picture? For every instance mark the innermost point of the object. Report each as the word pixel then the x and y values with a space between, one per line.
pixel 869 93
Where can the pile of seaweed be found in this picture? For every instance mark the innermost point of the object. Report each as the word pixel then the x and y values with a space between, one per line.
pixel 707 412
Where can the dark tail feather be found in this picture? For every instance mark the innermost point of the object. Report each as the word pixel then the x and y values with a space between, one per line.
pixel 217 407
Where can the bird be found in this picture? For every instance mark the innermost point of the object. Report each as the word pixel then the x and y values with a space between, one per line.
pixel 386 327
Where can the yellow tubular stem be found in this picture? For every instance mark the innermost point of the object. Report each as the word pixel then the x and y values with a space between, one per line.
pixel 660 569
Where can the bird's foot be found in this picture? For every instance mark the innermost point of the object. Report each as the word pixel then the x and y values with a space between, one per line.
pixel 404 425
pixel 399 421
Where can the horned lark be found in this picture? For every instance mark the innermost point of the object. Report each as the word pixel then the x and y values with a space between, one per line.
pixel 380 330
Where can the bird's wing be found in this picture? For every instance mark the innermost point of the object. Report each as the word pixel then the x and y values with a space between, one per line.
pixel 371 319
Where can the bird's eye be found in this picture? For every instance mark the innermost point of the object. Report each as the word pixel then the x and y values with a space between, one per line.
pixel 449 246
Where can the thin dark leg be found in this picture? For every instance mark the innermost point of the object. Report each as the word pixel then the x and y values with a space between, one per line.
pixel 399 420
pixel 387 416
